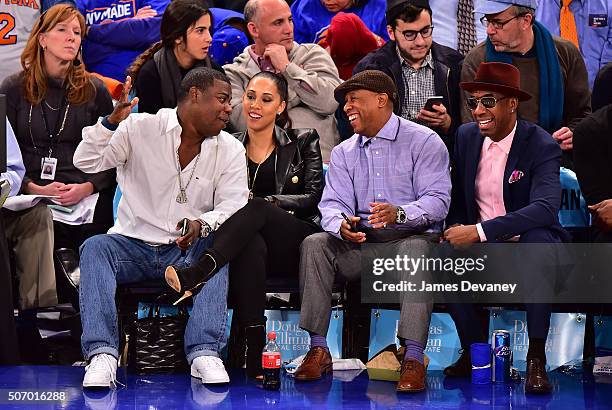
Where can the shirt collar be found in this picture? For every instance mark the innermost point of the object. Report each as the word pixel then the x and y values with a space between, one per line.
pixel 505 144
pixel 388 131
pixel 558 2
pixel 173 121
pixel 264 64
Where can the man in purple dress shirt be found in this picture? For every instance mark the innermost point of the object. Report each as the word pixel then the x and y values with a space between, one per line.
pixel 392 180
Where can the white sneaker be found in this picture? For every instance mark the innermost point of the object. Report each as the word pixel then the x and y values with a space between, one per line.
pixel 209 369
pixel 101 372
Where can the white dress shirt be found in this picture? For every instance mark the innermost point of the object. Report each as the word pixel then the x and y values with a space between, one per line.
pixel 144 151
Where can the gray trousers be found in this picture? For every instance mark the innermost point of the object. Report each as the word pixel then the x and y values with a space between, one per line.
pixel 30 236
pixel 322 256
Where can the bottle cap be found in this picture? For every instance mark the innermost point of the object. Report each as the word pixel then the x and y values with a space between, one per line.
pixel 272 336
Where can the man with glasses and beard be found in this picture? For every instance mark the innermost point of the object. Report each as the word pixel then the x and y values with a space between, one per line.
pixel 552 69
pixel 420 67
pixel 506 187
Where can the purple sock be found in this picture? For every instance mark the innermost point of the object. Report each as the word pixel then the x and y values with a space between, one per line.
pixel 317 341
pixel 414 350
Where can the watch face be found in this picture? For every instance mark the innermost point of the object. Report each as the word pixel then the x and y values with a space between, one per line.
pixel 401 216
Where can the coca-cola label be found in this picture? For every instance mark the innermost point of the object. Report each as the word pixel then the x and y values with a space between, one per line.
pixel 271 360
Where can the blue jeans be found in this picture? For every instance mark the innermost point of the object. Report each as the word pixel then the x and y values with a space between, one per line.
pixel 108 260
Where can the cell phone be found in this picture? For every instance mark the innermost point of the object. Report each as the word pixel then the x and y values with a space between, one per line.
pixel 348 221
pixel 431 101
pixel 65 209
pixel 184 226
pixel 183 232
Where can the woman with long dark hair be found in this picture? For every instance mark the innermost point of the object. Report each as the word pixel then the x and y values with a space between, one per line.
pixel 185 41
pixel 48 104
pixel 285 173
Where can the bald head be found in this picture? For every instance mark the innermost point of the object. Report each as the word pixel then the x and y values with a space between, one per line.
pixel 269 22
pixel 255 8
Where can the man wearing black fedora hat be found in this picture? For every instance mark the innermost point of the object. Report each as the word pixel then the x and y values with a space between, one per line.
pixel 505 188
pixel 420 67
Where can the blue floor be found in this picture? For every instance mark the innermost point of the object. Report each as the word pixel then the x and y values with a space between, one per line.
pixel 346 390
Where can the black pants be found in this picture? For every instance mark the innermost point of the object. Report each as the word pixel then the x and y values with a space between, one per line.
pixel 468 323
pixel 260 239
pixel 9 353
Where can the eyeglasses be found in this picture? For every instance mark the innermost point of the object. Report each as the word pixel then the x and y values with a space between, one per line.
pixel 411 35
pixel 498 25
pixel 486 101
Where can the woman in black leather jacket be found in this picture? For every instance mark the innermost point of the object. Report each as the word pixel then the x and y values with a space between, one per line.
pixel 285 172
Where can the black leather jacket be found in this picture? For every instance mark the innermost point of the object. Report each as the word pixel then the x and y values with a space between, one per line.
pixel 299 171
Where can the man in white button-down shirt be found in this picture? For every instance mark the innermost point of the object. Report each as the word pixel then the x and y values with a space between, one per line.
pixel 173 165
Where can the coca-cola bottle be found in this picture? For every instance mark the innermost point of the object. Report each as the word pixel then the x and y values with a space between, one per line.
pixel 271 363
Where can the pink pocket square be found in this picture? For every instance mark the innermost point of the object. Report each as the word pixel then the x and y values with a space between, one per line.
pixel 515 176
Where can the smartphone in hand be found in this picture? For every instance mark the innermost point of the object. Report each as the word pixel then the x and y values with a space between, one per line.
pixel 431 101
pixel 348 221
pixel 184 226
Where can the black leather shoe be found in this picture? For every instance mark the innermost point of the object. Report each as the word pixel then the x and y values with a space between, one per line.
pixel 462 367
pixel 537 380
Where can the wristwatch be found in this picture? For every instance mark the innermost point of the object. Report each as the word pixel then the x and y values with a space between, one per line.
pixel 205 229
pixel 400 216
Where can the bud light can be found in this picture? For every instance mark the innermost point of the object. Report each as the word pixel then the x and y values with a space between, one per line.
pixel 500 372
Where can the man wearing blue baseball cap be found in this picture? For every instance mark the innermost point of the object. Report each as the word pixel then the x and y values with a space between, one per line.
pixel 552 69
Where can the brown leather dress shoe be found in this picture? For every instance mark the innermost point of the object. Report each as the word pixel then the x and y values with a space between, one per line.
pixel 537 380
pixel 317 362
pixel 412 377
pixel 461 368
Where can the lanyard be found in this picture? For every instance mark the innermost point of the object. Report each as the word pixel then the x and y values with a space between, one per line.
pixel 53 137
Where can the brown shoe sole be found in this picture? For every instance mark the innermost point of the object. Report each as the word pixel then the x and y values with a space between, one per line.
pixel 406 390
pixel 537 390
pixel 324 371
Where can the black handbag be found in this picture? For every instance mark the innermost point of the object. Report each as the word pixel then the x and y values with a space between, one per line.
pixel 156 344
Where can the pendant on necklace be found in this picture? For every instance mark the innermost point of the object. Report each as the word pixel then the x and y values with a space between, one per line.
pixel 181 198
pixel 250 195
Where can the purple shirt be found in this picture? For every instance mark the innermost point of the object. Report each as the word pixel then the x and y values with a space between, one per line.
pixel 406 164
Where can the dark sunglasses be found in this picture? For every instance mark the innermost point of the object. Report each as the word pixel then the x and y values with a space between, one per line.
pixel 486 101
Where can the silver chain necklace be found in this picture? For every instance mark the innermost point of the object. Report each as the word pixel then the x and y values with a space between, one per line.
pixel 181 198
pixel 51 108
pixel 251 195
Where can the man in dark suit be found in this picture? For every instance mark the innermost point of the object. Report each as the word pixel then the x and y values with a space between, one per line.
pixel 505 188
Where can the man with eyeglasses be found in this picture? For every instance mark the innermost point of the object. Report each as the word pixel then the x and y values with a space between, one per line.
pixel 506 187
pixel 552 69
pixel 420 67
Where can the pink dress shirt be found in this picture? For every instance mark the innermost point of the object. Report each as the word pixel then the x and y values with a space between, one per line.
pixel 489 184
